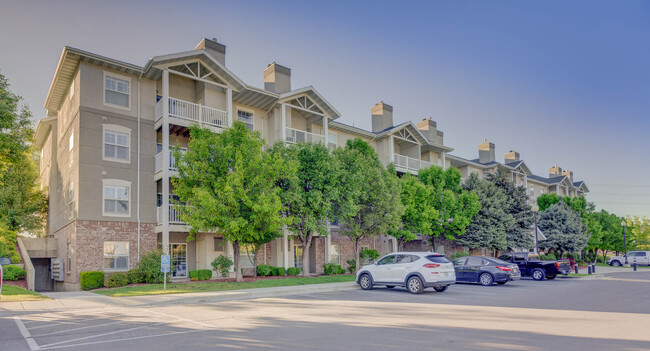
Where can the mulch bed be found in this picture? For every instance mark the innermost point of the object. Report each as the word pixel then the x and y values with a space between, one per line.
pixel 20 283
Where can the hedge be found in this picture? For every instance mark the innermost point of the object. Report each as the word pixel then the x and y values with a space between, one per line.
pixel 135 276
pixel 264 270
pixel 8 244
pixel 280 271
pixel 117 279
pixel 200 274
pixel 92 280
pixel 293 271
pixel 12 272
pixel 332 268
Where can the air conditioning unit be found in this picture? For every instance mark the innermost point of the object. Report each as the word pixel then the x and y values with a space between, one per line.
pixel 57 269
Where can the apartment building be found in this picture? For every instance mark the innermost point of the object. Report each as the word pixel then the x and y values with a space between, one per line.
pixel 106 162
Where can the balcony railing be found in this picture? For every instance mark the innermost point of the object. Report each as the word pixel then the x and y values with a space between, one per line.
pixel 410 163
pixel 172 161
pixel 301 136
pixel 173 212
pixel 192 112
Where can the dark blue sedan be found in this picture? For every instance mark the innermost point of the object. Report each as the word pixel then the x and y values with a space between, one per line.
pixel 485 270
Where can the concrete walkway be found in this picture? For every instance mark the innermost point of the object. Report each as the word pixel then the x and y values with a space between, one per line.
pixel 87 300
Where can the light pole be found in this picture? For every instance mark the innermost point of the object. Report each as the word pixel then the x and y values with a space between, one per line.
pixel 624 242
pixel 536 241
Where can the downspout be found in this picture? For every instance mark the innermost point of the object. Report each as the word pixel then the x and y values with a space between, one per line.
pixel 138 180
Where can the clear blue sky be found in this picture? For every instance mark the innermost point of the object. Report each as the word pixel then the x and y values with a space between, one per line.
pixel 564 82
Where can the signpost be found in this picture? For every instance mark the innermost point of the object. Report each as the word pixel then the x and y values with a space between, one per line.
pixel 165 264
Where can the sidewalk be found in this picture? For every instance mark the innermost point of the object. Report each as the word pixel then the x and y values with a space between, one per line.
pixel 62 301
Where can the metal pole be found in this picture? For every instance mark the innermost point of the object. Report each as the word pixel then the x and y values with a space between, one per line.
pixel 625 246
pixel 165 281
pixel 536 241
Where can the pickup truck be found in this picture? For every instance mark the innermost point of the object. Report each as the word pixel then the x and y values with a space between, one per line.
pixel 531 266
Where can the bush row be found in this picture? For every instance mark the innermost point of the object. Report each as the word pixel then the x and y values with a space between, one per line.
pixel 265 270
pixel 12 272
pixel 333 268
pixel 293 271
pixel 200 274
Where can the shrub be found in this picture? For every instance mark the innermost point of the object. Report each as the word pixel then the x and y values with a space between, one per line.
pixel 280 271
pixel 12 272
pixel 135 276
pixel 368 255
pixel 459 254
pixel 352 265
pixel 600 259
pixel 117 279
pixel 275 271
pixel 8 244
pixel 205 274
pixel 222 264
pixel 264 270
pixel 333 268
pixel 194 274
pixel 149 266
pixel 92 280
pixel 293 271
pixel 547 257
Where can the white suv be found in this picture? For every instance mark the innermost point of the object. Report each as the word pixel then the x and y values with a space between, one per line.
pixel 413 270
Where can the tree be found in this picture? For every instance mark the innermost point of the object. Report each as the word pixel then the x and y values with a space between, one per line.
pixel 519 235
pixel 229 186
pixel 419 214
pixel 639 229
pixel 488 229
pixel 545 201
pixel 368 203
pixel 22 204
pixel 610 235
pixel 563 228
pixel 456 207
pixel 308 194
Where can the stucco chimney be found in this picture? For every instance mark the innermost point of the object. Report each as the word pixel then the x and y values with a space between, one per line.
pixel 568 174
pixel 277 78
pixel 430 130
pixel 217 50
pixel 486 152
pixel 555 171
pixel 511 156
pixel 382 116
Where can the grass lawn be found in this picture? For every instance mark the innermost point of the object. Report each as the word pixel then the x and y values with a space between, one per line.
pixel 15 293
pixel 177 288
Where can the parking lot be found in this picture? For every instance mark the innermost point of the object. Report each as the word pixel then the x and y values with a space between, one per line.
pixel 610 313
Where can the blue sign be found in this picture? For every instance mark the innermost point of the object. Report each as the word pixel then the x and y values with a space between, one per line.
pixel 164 261
pixel 164 269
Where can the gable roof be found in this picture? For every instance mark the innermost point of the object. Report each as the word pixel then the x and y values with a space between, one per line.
pixel 315 96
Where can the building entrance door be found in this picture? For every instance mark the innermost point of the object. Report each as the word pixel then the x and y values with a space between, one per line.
pixel 178 254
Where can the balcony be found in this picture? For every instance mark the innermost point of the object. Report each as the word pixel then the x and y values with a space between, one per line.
pixel 173 213
pixel 185 113
pixel 300 136
pixel 410 164
pixel 158 160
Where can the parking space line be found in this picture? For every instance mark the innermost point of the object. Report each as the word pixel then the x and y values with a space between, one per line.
pixel 180 318
pixel 25 333
pixel 121 339
pixel 80 328
pixel 54 322
pixel 100 335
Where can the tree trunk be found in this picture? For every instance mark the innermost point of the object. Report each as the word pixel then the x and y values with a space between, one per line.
pixel 305 254
pixel 356 254
pixel 605 256
pixel 235 248
pixel 255 262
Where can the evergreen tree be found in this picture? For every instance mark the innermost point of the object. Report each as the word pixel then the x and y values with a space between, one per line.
pixel 520 234
pixel 563 229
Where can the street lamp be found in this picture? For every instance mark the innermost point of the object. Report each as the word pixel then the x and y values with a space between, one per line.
pixel 624 242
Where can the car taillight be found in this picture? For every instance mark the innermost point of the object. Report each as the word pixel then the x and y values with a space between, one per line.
pixel 505 269
pixel 431 265
pixel 557 265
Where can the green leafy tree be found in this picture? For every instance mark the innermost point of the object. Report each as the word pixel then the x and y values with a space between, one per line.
pixel 22 204
pixel 639 228
pixel 488 229
pixel 229 185
pixel 369 195
pixel 563 229
pixel 519 234
pixel 419 214
pixel 610 235
pixel 545 201
pixel 456 207
pixel 308 194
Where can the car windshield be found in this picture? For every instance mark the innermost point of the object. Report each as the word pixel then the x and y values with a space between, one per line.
pixel 437 259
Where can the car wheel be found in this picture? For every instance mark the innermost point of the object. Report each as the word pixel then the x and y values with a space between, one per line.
pixel 365 282
pixel 616 263
pixel 501 283
pixel 414 284
pixel 486 279
pixel 440 288
pixel 550 276
pixel 538 274
pixel 390 286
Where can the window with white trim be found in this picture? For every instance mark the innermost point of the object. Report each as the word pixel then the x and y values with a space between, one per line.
pixel 331 140
pixel 117 91
pixel 541 191
pixel 246 261
pixel 335 254
pixel 219 245
pixel 117 198
pixel 116 255
pixel 116 143
pixel 246 117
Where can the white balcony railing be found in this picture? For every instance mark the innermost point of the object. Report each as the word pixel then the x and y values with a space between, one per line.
pixel 173 213
pixel 172 161
pixel 301 136
pixel 410 163
pixel 192 112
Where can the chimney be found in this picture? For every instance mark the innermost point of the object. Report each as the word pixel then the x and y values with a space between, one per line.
pixel 568 174
pixel 486 152
pixel 218 51
pixel 382 116
pixel 554 171
pixel 429 129
pixel 511 156
pixel 277 78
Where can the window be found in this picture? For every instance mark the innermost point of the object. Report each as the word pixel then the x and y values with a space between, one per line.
pixel 71 142
pixel 246 261
pixel 406 258
pixel 475 261
pixel 437 259
pixel 116 255
pixel 335 254
pixel 387 260
pixel 117 91
pixel 116 198
pixel 246 117
pixel 460 261
pixel 331 140
pixel 116 143
pixel 69 260
pixel 541 191
pixel 297 256
pixel 218 245
pixel 178 256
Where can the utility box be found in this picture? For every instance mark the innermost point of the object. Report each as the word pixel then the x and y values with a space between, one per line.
pixel 57 269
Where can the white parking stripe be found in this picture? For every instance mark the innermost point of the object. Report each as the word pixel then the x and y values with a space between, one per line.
pixel 99 335
pixel 80 328
pixel 122 339
pixel 180 318
pixel 28 338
